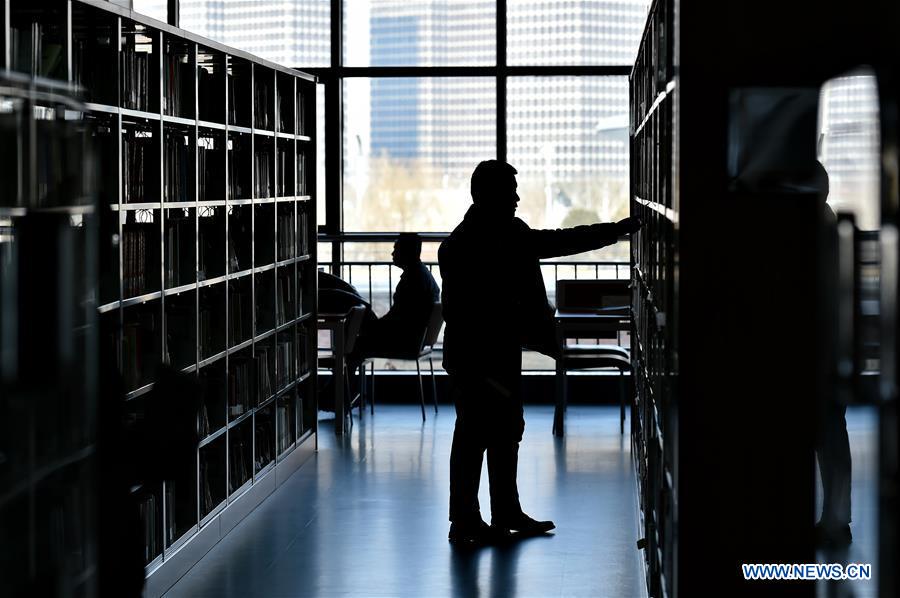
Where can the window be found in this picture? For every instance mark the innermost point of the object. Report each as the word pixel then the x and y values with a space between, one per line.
pixel 409 149
pixel 420 32
pixel 585 32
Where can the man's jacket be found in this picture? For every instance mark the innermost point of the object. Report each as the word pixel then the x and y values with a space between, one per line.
pixel 494 299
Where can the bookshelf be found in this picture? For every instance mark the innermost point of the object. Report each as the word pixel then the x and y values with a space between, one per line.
pixel 654 251
pixel 205 255
pixel 48 342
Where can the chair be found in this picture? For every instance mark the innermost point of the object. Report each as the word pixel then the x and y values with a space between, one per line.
pixel 417 353
pixel 355 317
pixel 601 297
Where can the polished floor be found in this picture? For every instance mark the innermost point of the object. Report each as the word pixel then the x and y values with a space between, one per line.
pixel 367 517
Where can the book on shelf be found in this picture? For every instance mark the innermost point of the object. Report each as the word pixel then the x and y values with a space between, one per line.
pixel 137 150
pixel 285 437
pixel 239 183
pixel 240 386
pixel 203 426
pixel 286 236
pixel 303 231
pixel 238 303
pixel 301 114
pixel 239 467
pixel 135 68
pixel 211 246
pixel 264 434
pixel 284 357
pixel 176 177
pixel 149 515
pixel 139 343
pixel 261 106
pixel 303 366
pixel 137 240
pixel 240 232
pixel 263 377
pixel 210 172
pixel 177 73
pixel 179 250
pixel 171 529
pixel 206 497
pixel 281 157
pixel 301 174
pixel 263 173
pixel 205 339
pixel 284 297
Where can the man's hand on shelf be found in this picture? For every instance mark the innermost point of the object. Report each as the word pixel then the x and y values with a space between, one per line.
pixel 630 225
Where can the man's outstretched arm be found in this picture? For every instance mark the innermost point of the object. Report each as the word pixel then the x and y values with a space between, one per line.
pixel 558 242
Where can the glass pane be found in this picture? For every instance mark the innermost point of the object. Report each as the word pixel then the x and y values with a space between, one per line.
pixel 158 9
pixel 420 32
pixel 579 32
pixel 410 146
pixel 295 34
pixel 568 138
pixel 849 146
pixel 320 155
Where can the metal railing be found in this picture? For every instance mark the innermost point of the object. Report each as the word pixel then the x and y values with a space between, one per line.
pixel 376 280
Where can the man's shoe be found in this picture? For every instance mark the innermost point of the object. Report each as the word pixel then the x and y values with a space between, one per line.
pixel 475 534
pixel 523 525
pixel 833 536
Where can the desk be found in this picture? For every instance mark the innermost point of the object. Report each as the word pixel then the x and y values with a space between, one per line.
pixel 336 323
pixel 583 323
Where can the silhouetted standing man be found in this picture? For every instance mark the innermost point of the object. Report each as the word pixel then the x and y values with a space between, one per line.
pixel 494 304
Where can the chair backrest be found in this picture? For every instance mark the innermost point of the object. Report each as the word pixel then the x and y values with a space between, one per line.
pixel 435 322
pixel 355 318
pixel 589 295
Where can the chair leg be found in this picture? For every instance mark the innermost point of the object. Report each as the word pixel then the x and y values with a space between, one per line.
pixel 421 391
pixel 348 399
pixel 622 394
pixel 433 384
pixel 560 411
pixel 361 376
pixel 372 398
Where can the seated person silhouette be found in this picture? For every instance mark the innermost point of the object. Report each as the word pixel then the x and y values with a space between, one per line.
pixel 401 330
pixel 494 305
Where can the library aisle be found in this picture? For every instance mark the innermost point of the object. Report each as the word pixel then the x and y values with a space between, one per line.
pixel 368 517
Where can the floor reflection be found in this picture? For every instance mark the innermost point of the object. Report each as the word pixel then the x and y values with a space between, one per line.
pixel 862 428
pixel 368 517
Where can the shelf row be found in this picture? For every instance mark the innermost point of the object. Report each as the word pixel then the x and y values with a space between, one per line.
pixel 147 162
pixel 157 250
pixel 206 324
pixel 123 63
pixel 654 65
pixel 227 462
pixel 190 122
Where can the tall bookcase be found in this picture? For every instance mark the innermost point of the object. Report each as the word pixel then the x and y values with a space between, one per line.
pixel 207 253
pixel 654 286
pixel 48 343
pixel 732 331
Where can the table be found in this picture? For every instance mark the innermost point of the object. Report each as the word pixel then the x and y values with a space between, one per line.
pixel 336 323
pixel 583 323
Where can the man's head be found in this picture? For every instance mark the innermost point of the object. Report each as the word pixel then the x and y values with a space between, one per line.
pixel 407 249
pixel 494 189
